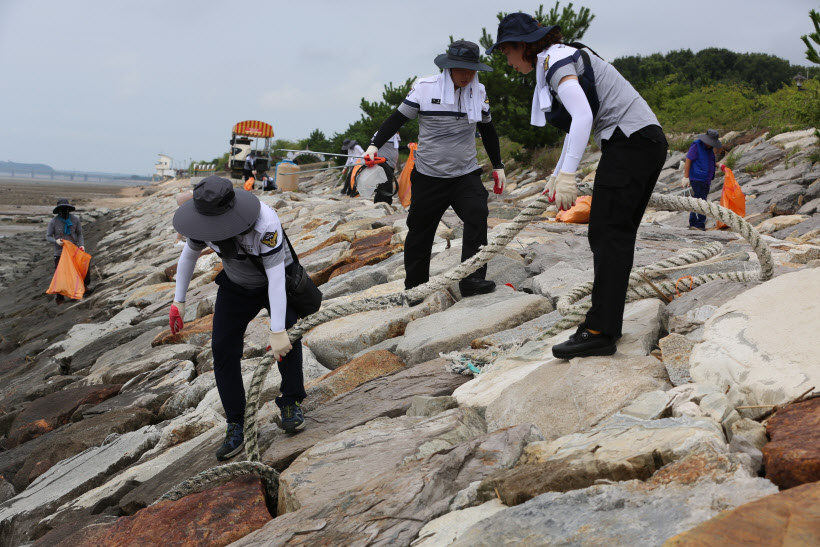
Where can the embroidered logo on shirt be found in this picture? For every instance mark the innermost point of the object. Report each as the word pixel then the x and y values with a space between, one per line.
pixel 270 239
pixel 435 101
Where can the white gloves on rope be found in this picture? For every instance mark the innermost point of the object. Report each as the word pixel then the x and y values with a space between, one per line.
pixel 279 344
pixel 371 152
pixel 566 192
pixel 549 188
pixel 684 183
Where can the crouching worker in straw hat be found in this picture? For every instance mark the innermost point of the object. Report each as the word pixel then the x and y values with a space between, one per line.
pixel 449 107
pixel 65 226
pixel 354 157
pixel 578 92
pixel 248 236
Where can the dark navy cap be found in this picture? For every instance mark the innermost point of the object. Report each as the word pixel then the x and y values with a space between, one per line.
pixel 519 27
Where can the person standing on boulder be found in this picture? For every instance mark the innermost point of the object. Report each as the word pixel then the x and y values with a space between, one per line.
pixel 699 171
pixel 449 106
pixel 578 92
pixel 65 226
pixel 248 237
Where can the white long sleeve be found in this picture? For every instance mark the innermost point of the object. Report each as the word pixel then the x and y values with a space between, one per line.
pixel 185 270
pixel 276 296
pixel 572 97
pixel 561 159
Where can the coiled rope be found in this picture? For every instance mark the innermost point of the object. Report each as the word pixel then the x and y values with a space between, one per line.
pixel 572 313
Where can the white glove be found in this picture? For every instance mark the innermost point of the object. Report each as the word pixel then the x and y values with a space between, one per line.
pixel 82 248
pixel 685 182
pixel 60 242
pixel 371 152
pixel 279 344
pixel 565 190
pixel 500 180
pixel 549 188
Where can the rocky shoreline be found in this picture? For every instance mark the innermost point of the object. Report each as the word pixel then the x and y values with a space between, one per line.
pixel 102 410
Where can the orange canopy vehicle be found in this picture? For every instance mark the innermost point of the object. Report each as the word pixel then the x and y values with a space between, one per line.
pixel 247 136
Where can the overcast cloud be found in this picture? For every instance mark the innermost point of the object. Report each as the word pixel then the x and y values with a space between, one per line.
pixel 107 85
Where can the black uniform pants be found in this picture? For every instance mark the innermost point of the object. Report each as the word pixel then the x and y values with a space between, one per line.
pixel 235 307
pixel 430 198
pixel 624 182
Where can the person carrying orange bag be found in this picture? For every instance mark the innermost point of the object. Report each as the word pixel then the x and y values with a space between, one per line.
pixel 732 196
pixel 404 178
pixel 65 229
pixel 71 273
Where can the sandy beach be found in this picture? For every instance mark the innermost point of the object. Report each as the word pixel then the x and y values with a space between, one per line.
pixel 26 204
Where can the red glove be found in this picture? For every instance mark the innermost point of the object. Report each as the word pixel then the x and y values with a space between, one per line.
pixel 175 316
pixel 500 179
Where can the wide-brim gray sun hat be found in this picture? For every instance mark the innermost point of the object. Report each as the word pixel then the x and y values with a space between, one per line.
pixel 63 202
pixel 462 54
pixel 711 138
pixel 217 211
pixel 519 27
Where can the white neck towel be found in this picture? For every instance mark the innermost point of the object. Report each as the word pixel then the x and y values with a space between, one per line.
pixel 471 102
pixel 541 98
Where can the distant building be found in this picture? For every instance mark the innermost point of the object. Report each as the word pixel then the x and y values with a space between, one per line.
pixel 163 167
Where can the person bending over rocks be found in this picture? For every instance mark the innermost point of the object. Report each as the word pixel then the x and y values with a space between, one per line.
pixel 578 92
pixel 449 107
pixel 248 237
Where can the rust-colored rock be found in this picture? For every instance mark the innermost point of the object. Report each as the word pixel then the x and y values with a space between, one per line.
pixel 368 257
pixel 53 410
pixel 787 518
pixel 351 375
pixel 337 238
pixel 792 457
pixel 365 251
pixel 196 332
pixel 213 518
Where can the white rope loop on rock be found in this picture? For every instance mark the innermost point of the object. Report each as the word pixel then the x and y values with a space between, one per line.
pixel 573 313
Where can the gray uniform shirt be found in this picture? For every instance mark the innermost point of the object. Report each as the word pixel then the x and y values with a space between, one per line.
pixel 265 241
pixel 56 230
pixel 620 105
pixel 446 137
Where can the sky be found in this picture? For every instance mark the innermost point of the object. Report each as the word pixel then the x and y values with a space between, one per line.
pixel 101 85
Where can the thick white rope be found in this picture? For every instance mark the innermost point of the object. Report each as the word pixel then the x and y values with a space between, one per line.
pixel 573 313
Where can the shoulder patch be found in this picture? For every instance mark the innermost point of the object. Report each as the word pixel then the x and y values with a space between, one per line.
pixel 546 63
pixel 487 100
pixel 270 239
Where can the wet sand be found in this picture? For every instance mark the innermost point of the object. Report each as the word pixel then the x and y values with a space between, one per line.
pixel 25 204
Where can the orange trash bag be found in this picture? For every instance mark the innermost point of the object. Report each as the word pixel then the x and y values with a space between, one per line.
pixel 578 213
pixel 249 184
pixel 732 196
pixel 70 273
pixel 404 177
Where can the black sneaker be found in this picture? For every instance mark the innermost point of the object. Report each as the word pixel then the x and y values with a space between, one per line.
pixel 234 442
pixel 473 286
pixel 293 419
pixel 584 344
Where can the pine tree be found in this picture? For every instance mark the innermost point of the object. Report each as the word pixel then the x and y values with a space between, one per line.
pixel 811 53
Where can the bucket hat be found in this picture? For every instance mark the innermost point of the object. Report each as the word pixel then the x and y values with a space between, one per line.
pixel 347 144
pixel 519 27
pixel 462 54
pixel 217 211
pixel 711 138
pixel 63 202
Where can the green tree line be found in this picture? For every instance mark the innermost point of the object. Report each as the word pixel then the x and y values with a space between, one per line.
pixel 688 91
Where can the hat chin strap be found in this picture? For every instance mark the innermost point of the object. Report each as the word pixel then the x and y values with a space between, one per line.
pixel 227 248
